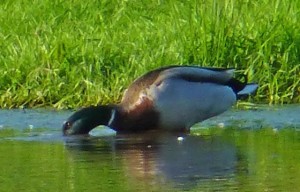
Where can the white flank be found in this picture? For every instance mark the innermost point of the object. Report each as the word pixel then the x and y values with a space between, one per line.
pixel 182 104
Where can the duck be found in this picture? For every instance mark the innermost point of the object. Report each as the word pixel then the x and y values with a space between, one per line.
pixel 171 98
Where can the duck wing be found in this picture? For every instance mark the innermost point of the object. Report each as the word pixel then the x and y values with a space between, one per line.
pixel 138 89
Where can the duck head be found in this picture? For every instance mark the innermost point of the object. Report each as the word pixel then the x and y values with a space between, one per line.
pixel 84 120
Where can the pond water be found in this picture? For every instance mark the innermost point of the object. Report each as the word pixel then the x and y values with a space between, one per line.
pixel 240 150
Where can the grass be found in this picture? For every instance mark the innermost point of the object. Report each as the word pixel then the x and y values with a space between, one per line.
pixel 66 54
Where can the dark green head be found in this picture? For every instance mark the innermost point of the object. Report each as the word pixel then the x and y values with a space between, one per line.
pixel 84 120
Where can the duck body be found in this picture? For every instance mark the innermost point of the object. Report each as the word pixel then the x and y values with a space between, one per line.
pixel 172 98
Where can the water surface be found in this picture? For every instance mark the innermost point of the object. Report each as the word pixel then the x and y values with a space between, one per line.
pixel 252 150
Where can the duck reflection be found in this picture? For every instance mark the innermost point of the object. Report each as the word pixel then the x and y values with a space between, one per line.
pixel 163 157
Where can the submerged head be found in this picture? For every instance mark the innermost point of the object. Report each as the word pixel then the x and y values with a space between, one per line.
pixel 84 120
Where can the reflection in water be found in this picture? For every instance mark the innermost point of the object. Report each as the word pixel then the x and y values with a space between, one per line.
pixel 162 158
pixel 256 151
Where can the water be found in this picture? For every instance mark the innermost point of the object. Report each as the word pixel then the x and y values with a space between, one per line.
pixel 254 150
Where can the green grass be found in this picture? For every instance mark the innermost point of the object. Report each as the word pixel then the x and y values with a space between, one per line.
pixel 75 53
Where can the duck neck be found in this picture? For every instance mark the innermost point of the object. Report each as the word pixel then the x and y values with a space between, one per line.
pixel 97 115
pixel 104 114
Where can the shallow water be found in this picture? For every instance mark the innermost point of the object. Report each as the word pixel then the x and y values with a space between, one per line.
pixel 253 150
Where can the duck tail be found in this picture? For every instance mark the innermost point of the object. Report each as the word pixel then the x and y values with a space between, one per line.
pixel 242 89
pixel 249 89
